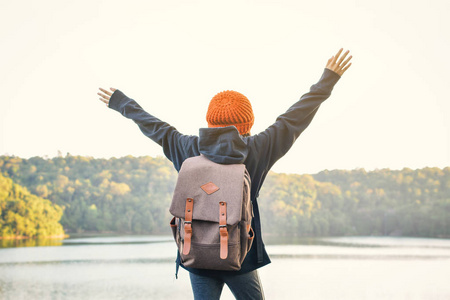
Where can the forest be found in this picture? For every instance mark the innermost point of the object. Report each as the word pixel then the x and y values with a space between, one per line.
pixel 26 215
pixel 41 196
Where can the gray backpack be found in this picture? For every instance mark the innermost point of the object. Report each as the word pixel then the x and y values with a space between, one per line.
pixel 212 214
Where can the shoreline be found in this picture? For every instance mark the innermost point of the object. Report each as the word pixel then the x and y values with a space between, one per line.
pixel 22 237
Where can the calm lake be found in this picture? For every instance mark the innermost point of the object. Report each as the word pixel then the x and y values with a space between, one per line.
pixel 142 267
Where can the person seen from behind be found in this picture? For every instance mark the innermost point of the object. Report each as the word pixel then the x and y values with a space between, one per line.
pixel 227 140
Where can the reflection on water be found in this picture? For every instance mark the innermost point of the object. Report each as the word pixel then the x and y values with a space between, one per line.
pixel 365 248
pixel 9 243
pixel 142 267
pixel 83 240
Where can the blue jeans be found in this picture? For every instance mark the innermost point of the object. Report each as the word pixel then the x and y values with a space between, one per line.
pixel 243 286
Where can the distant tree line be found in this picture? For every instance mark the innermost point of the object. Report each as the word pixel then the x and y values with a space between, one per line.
pixel 382 202
pixel 128 195
pixel 132 195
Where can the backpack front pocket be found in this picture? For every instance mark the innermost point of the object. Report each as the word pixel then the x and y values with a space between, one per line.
pixel 207 256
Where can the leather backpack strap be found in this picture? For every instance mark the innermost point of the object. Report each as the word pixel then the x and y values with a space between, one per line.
pixel 223 230
pixel 188 225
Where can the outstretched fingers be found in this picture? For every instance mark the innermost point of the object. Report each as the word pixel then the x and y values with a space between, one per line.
pixel 106 95
pixel 337 55
pixel 105 91
pixel 346 67
pixel 346 62
pixel 339 64
pixel 343 57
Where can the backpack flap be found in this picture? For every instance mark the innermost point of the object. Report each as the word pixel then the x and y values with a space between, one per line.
pixel 209 184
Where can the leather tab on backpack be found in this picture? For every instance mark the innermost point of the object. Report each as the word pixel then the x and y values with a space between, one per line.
pixel 223 230
pixel 209 188
pixel 188 225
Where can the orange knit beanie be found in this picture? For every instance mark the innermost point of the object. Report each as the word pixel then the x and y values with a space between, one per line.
pixel 230 108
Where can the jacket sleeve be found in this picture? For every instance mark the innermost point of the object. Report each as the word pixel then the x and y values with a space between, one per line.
pixel 176 146
pixel 277 139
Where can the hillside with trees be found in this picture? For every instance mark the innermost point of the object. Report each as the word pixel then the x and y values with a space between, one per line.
pixel 339 202
pixel 128 195
pixel 133 194
pixel 25 215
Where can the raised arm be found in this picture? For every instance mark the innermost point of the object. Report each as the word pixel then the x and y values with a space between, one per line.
pixel 176 146
pixel 277 139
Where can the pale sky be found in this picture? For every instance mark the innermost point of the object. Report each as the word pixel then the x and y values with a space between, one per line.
pixel 390 110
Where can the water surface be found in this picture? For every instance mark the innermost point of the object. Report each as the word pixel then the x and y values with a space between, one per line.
pixel 142 267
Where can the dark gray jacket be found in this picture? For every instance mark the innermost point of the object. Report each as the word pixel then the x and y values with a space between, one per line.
pixel 224 145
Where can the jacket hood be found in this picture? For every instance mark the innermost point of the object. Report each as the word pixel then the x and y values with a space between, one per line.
pixel 222 145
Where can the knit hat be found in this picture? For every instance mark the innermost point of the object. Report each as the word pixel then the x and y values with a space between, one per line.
pixel 230 108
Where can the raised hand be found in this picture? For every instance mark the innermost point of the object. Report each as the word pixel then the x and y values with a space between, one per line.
pixel 336 64
pixel 106 95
